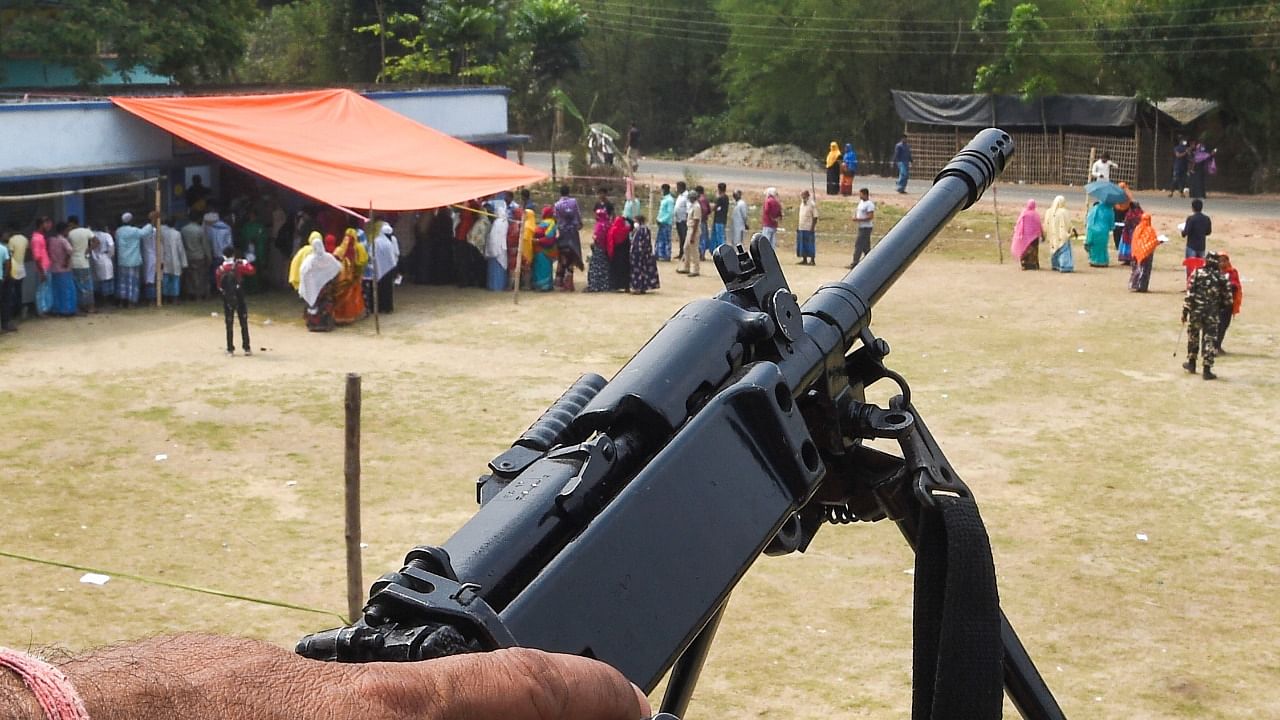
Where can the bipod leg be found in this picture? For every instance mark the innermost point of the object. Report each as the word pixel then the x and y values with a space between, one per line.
pixel 1022 682
pixel 684 674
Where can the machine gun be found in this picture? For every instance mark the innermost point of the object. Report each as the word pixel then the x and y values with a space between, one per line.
pixel 593 536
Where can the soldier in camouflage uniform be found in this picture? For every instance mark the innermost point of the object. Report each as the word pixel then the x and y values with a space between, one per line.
pixel 1208 294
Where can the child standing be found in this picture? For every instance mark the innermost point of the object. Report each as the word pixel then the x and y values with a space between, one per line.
pixel 230 280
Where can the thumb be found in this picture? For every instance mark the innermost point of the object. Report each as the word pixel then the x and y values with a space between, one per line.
pixel 510 684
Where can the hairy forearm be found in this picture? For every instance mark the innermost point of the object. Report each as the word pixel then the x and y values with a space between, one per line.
pixel 16 701
pixel 188 676
pixel 197 677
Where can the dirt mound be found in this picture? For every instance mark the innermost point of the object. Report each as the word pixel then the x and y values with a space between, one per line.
pixel 773 157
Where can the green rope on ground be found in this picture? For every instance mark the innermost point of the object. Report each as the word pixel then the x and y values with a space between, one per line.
pixel 177 586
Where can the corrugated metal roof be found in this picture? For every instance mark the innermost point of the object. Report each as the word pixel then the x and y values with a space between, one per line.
pixel 1186 110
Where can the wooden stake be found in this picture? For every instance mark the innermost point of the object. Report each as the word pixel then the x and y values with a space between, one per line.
pixel 351 473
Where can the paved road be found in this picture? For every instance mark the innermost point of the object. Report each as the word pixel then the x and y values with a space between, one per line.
pixel 1265 207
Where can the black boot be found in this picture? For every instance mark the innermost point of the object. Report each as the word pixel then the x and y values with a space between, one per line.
pixel 1189 366
pixel 1208 374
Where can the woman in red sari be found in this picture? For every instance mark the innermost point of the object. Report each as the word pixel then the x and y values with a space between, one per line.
pixel 1237 296
pixel 348 294
pixel 1144 244
pixel 618 246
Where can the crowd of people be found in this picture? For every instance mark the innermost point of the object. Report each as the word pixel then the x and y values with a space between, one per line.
pixel 340 264
pixel 1213 290
pixel 67 268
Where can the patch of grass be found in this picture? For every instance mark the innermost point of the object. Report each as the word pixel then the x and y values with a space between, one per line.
pixel 1055 397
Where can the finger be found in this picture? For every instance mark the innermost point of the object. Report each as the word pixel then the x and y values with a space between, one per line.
pixel 511 684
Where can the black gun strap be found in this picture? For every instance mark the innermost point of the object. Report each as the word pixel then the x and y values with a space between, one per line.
pixel 958 660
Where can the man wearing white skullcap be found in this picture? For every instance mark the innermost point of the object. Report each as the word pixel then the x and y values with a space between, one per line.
pixel 128 261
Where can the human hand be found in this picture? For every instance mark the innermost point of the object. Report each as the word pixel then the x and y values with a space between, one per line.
pixel 204 676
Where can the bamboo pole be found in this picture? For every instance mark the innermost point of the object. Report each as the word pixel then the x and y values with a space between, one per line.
pixel 1155 145
pixel 373 233
pixel 516 271
pixel 351 473
pixel 1093 152
pixel 159 256
pixel 1137 151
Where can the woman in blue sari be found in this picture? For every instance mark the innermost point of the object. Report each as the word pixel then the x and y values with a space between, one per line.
pixel 1098 234
pixel 848 169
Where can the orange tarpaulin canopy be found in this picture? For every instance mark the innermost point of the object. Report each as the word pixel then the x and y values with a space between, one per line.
pixel 337 147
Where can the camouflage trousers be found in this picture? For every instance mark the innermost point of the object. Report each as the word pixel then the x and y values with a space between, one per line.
pixel 1202 332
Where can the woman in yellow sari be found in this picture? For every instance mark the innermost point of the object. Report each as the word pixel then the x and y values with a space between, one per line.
pixel 348 294
pixel 833 169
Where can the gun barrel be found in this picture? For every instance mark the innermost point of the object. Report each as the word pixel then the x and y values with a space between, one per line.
pixel 958 186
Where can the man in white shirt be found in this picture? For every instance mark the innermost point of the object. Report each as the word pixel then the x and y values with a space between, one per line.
pixel 806 230
pixel 693 222
pixel 738 224
pixel 150 233
pixel 864 214
pixel 81 239
pixel 173 261
pixel 1102 168
pixel 102 258
pixel 681 217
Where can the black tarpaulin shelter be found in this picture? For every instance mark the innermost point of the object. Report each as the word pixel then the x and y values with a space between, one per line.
pixel 1058 135
pixel 1011 111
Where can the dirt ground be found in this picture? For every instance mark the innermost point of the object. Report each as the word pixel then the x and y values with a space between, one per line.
pixel 1130 505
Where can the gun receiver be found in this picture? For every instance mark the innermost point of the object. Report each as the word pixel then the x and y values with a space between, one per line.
pixel 594 534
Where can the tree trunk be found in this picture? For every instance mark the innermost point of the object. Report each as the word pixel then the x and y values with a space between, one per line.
pixel 382 41
pixel 1261 175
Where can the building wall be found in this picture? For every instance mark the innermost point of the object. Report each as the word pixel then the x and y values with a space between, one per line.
pixel 45 139
pixel 54 138
pixel 461 112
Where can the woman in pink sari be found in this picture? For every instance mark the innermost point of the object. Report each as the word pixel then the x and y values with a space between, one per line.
pixel 1026 237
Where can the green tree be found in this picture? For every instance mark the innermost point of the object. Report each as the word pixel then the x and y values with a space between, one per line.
pixel 813 71
pixel 286 45
pixel 547 47
pixel 1025 66
pixel 439 40
pixel 189 42
pixel 1202 48
pixel 406 54
pixel 551 32
pixel 467 30
pixel 653 62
